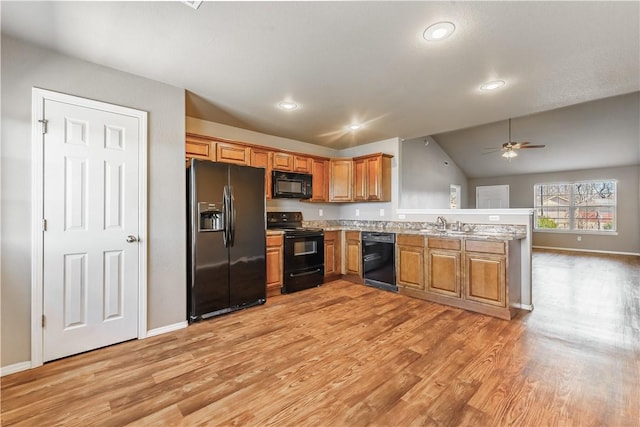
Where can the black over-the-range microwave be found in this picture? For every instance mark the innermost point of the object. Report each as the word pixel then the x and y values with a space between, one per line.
pixel 291 185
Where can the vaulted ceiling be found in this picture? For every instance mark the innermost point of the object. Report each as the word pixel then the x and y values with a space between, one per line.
pixel 360 62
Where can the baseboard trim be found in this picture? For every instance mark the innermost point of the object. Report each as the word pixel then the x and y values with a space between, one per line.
pixel 528 307
pixel 168 328
pixel 593 251
pixel 12 369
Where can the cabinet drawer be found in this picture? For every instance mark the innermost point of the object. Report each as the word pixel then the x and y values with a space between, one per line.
pixel 274 240
pixel 410 240
pixel 352 235
pixel 436 243
pixel 489 247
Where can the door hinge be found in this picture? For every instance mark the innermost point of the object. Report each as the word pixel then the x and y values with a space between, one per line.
pixel 44 224
pixel 44 125
pixel 44 320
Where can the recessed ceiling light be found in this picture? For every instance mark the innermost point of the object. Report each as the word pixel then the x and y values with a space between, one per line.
pixel 354 126
pixel 439 31
pixel 493 85
pixel 288 105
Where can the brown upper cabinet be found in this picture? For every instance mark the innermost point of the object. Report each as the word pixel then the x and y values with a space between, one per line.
pixel 340 180
pixel 301 164
pixel 282 161
pixel 262 159
pixel 320 183
pixel 200 148
pixel 362 179
pixel 372 178
pixel 232 153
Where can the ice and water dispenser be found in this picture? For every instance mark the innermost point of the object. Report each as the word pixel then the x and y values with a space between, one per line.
pixel 211 216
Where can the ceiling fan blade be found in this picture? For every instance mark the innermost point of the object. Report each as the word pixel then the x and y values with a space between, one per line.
pixel 534 146
pixel 491 150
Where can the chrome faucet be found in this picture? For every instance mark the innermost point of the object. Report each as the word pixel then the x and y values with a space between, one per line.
pixel 441 223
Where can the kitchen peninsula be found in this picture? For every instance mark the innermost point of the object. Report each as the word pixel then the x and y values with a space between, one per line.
pixel 478 269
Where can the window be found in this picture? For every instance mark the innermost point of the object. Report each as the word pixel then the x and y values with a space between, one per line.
pixel 575 206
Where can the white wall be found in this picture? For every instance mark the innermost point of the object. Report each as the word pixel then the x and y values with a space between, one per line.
pixel 426 175
pixel 25 66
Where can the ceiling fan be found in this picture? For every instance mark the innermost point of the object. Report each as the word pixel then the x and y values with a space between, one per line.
pixel 509 149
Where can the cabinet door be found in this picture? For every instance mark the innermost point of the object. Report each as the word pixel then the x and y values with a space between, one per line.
pixel 485 279
pixel 410 263
pixel 353 253
pixel 232 153
pixel 282 161
pixel 332 258
pixel 444 272
pixel 274 260
pixel 320 185
pixel 199 148
pixel 262 159
pixel 301 164
pixel 340 180
pixel 359 180
pixel 374 178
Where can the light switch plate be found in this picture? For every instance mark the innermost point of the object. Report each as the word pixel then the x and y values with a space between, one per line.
pixel 320 212
pixel 381 212
pixel 357 212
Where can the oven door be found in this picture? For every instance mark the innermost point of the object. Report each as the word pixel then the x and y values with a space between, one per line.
pixel 303 262
pixel 302 252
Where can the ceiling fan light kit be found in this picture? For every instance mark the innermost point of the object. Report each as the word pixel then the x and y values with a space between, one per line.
pixel 509 154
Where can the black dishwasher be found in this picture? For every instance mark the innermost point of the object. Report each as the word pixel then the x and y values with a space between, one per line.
pixel 378 260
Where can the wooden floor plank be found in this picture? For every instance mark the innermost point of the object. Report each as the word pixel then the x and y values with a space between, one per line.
pixel 347 354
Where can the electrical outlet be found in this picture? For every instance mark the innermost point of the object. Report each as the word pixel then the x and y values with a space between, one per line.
pixel 494 217
pixel 401 216
pixel 357 212
pixel 381 212
pixel 320 213
pixel 579 238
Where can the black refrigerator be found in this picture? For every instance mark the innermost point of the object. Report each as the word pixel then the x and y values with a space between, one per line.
pixel 226 267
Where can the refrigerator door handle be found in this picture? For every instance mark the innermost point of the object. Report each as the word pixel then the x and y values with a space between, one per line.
pixel 232 220
pixel 225 207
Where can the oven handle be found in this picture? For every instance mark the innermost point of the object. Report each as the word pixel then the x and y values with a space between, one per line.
pixel 304 236
pixel 306 273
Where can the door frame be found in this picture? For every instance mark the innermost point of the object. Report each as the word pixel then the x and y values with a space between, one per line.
pixel 39 96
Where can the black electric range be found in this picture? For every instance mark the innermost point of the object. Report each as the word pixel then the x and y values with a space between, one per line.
pixel 303 251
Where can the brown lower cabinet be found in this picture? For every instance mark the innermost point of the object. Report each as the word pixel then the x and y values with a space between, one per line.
pixel 477 275
pixel 332 255
pixel 410 261
pixel 353 256
pixel 274 261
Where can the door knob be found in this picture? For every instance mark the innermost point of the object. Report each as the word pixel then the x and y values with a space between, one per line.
pixel 131 239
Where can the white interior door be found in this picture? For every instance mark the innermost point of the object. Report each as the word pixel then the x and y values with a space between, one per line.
pixel 90 241
pixel 492 197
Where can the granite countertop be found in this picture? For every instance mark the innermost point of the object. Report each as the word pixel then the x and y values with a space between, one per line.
pixel 476 235
pixel 274 232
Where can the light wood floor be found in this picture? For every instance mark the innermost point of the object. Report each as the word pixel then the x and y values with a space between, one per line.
pixel 349 355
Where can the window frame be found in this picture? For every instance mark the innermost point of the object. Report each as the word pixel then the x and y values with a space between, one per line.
pixel 573 206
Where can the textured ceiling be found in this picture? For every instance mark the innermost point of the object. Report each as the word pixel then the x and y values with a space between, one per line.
pixel 349 62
